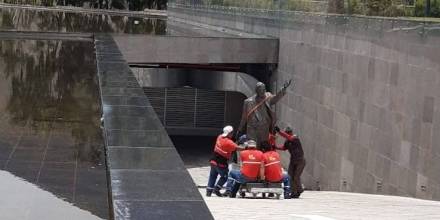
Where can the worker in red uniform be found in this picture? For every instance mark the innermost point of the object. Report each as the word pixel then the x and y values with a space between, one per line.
pixel 273 171
pixel 252 167
pixel 297 161
pixel 223 149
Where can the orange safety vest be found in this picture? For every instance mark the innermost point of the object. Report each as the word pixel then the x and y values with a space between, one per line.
pixel 224 146
pixel 272 166
pixel 251 162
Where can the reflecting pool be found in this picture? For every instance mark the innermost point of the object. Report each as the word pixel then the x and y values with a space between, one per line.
pixel 51 145
pixel 21 19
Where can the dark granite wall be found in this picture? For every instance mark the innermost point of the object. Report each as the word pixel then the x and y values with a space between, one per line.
pixel 366 99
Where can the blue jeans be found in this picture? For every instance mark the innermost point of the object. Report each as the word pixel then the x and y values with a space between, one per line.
pixel 235 178
pixel 213 174
pixel 286 183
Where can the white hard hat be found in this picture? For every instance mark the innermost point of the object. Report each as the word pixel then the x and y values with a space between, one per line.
pixel 226 130
pixel 251 143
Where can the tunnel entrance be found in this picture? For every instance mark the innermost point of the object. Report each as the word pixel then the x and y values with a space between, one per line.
pixel 195 151
pixel 192 111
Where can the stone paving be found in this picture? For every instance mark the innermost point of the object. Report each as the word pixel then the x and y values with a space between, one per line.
pixel 317 205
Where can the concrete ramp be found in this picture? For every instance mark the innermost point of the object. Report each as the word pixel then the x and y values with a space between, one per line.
pixel 205 50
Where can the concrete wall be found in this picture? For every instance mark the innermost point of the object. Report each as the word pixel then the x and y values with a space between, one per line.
pixel 366 100
pixel 182 49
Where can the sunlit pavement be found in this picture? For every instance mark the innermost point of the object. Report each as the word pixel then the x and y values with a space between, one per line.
pixel 318 205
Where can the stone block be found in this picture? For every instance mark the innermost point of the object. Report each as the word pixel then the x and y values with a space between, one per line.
pixel 433 169
pixel 381 71
pixel 354 86
pixel 371 161
pixel 380 94
pixel 435 136
pixel 385 120
pixel 182 210
pixel 362 117
pixel 394 74
pixel 425 162
pixel 309 108
pixel 144 158
pixel 428 109
pixel 394 174
pixel 365 131
pixel 422 186
pixel 396 148
pixel 426 136
pixel 397 98
pixel 412 183
pixel 342 125
pixel 416 131
pixel 325 116
pixel 361 157
pixel 354 130
pixel 403 178
pixel 372 115
pixel 386 169
pixel 344 145
pixel 384 145
pixel 405 154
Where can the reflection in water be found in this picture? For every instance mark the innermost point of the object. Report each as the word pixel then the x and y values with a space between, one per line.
pixel 50 117
pixel 35 203
pixel 34 20
pixel 135 5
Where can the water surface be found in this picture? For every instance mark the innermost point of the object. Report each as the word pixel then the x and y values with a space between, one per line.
pixel 50 136
pixel 20 19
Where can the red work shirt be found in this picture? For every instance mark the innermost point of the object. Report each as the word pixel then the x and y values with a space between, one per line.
pixel 293 145
pixel 272 141
pixel 224 147
pixel 251 162
pixel 272 166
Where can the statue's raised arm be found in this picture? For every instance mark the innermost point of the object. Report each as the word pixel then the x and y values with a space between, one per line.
pixel 281 93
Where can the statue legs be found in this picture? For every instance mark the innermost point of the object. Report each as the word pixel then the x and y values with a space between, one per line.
pixel 258 133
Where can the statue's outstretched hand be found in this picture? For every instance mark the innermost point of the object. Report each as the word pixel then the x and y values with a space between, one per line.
pixel 287 84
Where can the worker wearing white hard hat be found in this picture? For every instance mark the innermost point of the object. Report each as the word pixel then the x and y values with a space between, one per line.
pixel 224 146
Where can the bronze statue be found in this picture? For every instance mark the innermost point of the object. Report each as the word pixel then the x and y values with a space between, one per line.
pixel 258 119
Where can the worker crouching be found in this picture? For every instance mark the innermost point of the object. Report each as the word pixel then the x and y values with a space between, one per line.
pixel 251 168
pixel 273 171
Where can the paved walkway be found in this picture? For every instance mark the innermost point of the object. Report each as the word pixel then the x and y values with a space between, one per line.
pixel 318 205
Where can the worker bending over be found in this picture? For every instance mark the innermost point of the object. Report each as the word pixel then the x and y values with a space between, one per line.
pixel 297 161
pixel 223 149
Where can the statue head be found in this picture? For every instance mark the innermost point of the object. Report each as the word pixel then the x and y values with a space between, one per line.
pixel 288 130
pixel 260 89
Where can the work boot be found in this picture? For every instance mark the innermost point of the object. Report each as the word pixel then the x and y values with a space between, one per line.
pixel 229 194
pixel 208 193
pixel 295 195
pixel 286 196
pixel 217 192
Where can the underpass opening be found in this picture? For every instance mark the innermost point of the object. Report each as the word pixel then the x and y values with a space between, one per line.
pixel 196 101
pixel 195 151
